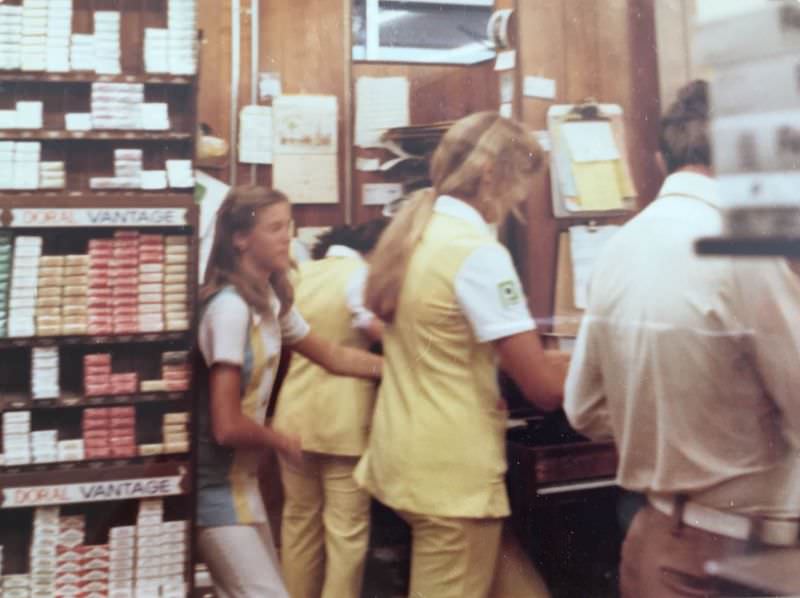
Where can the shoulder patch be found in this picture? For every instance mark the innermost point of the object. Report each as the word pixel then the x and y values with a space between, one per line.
pixel 509 293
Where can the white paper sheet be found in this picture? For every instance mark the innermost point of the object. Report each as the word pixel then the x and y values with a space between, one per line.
pixel 591 141
pixel 305 124
pixel 210 193
pixel 585 246
pixel 307 178
pixel 379 194
pixel 381 103
pixel 255 135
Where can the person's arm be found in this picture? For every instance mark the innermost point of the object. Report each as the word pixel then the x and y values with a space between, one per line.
pixel 222 337
pixel 229 426
pixel 584 397
pixel 539 374
pixel 363 319
pixel 491 298
pixel 337 359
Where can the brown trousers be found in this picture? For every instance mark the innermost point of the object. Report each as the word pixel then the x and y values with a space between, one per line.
pixel 662 561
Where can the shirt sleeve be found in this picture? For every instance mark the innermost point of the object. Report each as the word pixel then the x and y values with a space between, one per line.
pixel 223 330
pixel 361 316
pixel 584 396
pixel 294 328
pixel 490 295
pixel 768 304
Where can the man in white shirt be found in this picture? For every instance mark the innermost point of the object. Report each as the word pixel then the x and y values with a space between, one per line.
pixel 692 365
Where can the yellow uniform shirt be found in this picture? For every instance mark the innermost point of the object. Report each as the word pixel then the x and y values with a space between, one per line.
pixel 330 413
pixel 438 439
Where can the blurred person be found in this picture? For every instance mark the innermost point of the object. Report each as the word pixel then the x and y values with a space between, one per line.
pixel 453 304
pixel 246 316
pixel 690 364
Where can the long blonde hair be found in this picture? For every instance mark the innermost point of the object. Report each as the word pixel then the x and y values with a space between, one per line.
pixel 238 214
pixel 458 168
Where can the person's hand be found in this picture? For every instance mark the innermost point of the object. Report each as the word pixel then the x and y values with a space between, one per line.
pixel 289 447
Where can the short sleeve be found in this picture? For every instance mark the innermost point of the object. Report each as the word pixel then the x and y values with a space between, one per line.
pixel 294 328
pixel 223 330
pixel 361 316
pixel 490 294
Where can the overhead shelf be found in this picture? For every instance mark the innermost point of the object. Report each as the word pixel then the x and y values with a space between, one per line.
pixel 47 341
pixel 93 135
pixel 88 77
pixel 9 402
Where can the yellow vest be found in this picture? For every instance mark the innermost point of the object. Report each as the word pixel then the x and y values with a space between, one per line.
pixel 330 413
pixel 438 439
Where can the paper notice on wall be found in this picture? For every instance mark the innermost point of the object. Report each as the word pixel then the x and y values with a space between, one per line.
pixel 585 245
pixel 307 178
pixel 539 87
pixel 209 193
pixel 255 135
pixel 305 124
pixel 591 141
pixel 379 194
pixel 381 103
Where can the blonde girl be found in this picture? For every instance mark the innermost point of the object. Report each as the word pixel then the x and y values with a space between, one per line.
pixel 453 305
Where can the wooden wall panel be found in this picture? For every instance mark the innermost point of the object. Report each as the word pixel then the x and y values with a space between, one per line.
pixel 307 42
pixel 437 93
pixel 214 20
pixel 601 50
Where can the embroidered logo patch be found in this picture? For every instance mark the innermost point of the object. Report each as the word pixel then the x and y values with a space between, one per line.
pixel 509 293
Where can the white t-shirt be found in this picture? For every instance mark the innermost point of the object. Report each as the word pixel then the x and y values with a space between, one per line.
pixel 487 285
pixel 223 334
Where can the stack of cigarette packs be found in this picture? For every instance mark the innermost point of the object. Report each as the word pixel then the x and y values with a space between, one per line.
pixel 109 432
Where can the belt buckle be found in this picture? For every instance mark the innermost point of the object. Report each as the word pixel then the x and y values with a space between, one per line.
pixel 678 505
pixel 755 532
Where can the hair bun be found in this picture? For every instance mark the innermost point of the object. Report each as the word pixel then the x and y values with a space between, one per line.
pixel 693 99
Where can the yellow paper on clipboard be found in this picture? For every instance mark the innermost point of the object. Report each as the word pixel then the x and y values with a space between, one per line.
pixel 598 184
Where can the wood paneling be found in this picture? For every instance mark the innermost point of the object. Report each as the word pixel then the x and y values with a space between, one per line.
pixel 601 50
pixel 437 93
pixel 214 20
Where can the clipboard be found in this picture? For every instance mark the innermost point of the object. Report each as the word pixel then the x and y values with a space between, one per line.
pixel 606 179
pixel 572 278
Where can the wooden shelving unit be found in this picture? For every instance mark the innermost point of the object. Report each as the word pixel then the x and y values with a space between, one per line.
pixel 107 491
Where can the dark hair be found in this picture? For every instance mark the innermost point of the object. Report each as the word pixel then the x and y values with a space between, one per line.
pixel 683 139
pixel 362 238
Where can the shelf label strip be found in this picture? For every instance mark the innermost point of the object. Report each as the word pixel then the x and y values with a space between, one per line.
pixel 34 496
pixel 83 217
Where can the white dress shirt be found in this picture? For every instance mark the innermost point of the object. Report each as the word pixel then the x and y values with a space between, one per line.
pixel 690 363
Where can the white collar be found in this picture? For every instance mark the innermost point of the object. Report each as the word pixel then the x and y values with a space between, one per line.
pixel 458 208
pixel 341 251
pixel 694 185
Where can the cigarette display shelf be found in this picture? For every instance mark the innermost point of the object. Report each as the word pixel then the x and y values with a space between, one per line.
pixel 93 135
pixel 20 401
pixel 97 472
pixel 91 469
pixel 123 339
pixel 90 77
pixel 105 487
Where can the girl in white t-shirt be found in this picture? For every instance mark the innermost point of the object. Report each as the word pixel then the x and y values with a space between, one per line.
pixel 247 315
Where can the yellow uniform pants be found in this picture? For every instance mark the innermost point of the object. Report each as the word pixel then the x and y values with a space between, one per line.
pixel 325 527
pixel 452 557
pixel 515 575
